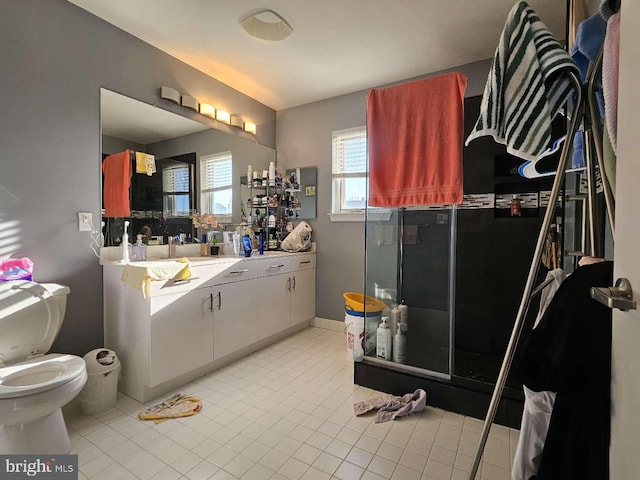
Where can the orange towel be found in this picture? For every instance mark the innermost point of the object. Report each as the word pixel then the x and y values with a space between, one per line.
pixel 117 179
pixel 415 135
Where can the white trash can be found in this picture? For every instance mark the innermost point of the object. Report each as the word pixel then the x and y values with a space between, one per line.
pixel 100 393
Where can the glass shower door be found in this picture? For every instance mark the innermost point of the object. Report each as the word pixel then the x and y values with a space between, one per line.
pixel 409 258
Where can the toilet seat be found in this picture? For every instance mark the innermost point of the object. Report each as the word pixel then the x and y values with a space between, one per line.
pixel 39 374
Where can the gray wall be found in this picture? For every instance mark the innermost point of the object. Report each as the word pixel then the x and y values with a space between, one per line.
pixel 53 60
pixel 304 139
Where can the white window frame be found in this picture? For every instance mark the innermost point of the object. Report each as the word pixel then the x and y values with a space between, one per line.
pixel 204 162
pixel 338 212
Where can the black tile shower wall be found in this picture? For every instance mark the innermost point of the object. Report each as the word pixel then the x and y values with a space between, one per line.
pixel 425 268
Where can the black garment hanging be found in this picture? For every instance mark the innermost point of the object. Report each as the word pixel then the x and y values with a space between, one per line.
pixel 570 353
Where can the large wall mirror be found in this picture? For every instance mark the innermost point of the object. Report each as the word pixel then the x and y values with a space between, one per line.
pixel 165 200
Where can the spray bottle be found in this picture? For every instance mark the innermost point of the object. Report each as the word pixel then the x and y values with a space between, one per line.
pixel 383 343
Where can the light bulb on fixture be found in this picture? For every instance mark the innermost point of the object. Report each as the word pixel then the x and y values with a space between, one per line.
pixel 250 127
pixel 223 116
pixel 208 110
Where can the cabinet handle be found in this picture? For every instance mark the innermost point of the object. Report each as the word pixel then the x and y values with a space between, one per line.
pixel 219 301
pixel 306 261
pixel 211 302
pixel 289 284
pixel 276 266
pixel 294 283
pixel 238 272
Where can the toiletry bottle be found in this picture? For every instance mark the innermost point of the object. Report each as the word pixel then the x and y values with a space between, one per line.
pixel 246 245
pixel 272 174
pixel 400 345
pixel 272 220
pixel 516 206
pixel 125 243
pixel 383 340
pixel 249 176
pixel 261 240
pixel 394 320
pixel 404 314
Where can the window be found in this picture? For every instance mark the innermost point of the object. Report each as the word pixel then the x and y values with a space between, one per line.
pixel 349 170
pixel 175 190
pixel 215 185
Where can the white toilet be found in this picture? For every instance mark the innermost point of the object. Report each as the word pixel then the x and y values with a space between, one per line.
pixel 34 385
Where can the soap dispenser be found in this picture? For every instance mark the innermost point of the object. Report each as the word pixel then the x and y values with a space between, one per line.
pixel 139 250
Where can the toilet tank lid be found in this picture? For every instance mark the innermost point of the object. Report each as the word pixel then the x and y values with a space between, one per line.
pixel 26 329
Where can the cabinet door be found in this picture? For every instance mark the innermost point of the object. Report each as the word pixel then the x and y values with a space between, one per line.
pixel 273 301
pixel 235 316
pixel 181 334
pixel 303 295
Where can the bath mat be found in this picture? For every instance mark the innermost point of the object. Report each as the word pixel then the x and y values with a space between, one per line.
pixel 180 405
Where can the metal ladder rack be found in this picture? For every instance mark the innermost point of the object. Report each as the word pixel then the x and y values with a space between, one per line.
pixel 585 111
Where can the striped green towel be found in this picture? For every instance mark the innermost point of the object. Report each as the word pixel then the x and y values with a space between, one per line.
pixel 528 84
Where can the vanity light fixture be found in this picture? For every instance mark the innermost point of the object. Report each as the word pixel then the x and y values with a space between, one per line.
pixel 250 127
pixel 266 24
pixel 236 121
pixel 189 102
pixel 208 110
pixel 169 93
pixel 224 117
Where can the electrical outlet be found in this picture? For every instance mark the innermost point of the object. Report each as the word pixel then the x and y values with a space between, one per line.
pixel 85 223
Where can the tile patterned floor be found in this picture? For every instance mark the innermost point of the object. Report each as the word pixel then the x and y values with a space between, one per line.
pixel 284 413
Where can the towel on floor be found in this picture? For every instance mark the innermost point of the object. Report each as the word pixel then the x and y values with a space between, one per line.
pixel 610 69
pixel 140 274
pixel 528 84
pixel 391 407
pixel 180 405
pixel 415 132
pixel 117 179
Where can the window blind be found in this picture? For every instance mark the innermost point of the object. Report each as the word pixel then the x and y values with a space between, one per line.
pixel 349 152
pixel 175 179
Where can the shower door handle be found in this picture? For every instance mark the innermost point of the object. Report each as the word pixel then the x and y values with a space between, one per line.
pixel 620 296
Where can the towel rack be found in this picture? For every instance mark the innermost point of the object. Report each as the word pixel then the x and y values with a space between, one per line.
pixel 585 110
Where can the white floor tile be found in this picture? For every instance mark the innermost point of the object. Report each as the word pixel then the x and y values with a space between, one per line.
pixel 284 413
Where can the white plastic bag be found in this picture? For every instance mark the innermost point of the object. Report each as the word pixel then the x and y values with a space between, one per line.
pixel 299 240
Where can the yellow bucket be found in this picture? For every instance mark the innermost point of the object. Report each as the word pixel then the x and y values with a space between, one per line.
pixel 358 302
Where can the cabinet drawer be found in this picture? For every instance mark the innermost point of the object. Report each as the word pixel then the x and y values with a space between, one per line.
pixel 303 262
pixel 267 267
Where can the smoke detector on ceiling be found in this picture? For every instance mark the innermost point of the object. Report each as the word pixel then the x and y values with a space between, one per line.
pixel 266 25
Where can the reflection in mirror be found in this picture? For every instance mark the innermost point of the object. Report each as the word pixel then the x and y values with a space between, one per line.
pixel 185 179
pixel 307 194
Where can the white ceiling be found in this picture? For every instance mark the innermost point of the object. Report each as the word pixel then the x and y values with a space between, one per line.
pixel 337 46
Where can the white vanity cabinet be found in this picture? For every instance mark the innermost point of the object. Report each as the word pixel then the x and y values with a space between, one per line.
pixel 303 288
pixel 180 334
pixel 229 307
pixel 235 316
pixel 286 293
pixel 274 286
